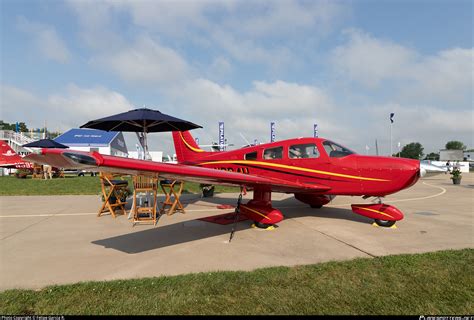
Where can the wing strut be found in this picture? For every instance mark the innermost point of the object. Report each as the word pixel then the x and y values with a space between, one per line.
pixel 237 214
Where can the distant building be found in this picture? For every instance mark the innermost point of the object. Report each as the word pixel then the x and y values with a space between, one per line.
pixel 452 155
pixel 468 156
pixel 105 142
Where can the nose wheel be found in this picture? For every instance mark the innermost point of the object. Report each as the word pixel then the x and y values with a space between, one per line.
pixel 384 223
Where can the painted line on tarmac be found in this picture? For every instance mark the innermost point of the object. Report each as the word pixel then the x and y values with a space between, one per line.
pixel 81 214
pixel 443 191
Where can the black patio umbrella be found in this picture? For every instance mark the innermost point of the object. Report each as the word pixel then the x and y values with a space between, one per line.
pixel 141 121
pixel 45 143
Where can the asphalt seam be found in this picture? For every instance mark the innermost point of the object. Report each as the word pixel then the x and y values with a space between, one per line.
pixel 332 237
pixel 27 227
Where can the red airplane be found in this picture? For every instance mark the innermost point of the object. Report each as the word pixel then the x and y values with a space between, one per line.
pixel 10 159
pixel 313 169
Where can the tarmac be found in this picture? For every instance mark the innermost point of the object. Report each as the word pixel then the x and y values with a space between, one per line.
pixel 46 240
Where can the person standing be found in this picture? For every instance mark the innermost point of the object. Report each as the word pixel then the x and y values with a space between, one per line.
pixel 448 167
pixel 47 171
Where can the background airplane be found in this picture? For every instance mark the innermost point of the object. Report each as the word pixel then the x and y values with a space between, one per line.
pixel 313 169
pixel 10 159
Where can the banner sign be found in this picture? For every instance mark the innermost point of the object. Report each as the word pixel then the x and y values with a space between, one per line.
pixel 221 136
pixel 315 130
pixel 272 132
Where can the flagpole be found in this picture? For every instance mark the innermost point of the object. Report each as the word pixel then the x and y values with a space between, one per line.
pixel 391 152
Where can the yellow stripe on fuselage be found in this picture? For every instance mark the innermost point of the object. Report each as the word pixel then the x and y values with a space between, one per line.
pixel 188 145
pixel 373 210
pixel 269 164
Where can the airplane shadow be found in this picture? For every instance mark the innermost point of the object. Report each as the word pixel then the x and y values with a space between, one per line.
pixel 165 236
pixel 192 230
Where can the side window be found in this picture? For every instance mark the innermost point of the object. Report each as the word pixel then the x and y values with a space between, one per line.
pixel 301 151
pixel 273 153
pixel 335 151
pixel 251 156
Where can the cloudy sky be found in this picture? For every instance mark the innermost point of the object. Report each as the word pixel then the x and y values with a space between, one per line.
pixel 345 65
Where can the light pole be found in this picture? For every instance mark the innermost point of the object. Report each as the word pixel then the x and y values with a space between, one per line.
pixel 391 123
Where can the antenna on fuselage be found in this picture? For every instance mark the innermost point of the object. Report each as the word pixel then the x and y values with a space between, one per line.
pixel 248 143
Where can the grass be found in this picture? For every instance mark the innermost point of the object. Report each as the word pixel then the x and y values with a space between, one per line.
pixel 11 186
pixel 431 283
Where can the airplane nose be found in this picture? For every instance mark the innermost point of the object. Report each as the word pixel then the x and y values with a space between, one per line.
pixel 414 171
pixel 410 171
pixel 422 172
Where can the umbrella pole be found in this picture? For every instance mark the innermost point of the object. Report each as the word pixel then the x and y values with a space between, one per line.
pixel 142 140
pixel 146 156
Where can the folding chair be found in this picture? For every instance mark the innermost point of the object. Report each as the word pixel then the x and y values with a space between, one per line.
pixel 60 173
pixel 172 191
pixel 111 190
pixel 37 171
pixel 147 185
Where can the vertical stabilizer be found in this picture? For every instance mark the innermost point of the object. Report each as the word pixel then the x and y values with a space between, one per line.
pixel 8 157
pixel 186 147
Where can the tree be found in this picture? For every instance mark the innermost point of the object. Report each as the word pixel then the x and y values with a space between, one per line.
pixel 12 126
pixel 432 156
pixel 22 126
pixel 455 145
pixel 412 150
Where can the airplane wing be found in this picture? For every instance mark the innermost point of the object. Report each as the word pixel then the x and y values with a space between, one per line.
pixel 94 161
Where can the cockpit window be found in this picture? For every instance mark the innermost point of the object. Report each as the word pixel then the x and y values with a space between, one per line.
pixel 336 151
pixel 273 153
pixel 251 156
pixel 300 151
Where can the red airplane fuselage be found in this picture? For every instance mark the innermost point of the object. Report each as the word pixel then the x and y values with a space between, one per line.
pixel 322 163
pixel 344 173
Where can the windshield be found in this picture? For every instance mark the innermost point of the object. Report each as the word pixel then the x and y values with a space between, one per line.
pixel 336 151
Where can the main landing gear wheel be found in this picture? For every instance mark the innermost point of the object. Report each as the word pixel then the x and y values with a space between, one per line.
pixel 263 225
pixel 316 206
pixel 385 223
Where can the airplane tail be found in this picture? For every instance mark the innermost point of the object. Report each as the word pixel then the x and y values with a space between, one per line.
pixel 8 157
pixel 186 147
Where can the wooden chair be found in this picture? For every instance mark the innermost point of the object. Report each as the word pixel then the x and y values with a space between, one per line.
pixel 37 171
pixel 111 191
pixel 149 186
pixel 60 173
pixel 172 191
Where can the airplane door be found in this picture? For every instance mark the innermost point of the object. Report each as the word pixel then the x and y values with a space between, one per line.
pixel 308 156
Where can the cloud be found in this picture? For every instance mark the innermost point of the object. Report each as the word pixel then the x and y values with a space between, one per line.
pixel 46 39
pixel 20 105
pixel 448 75
pixel 369 61
pixel 69 109
pixel 292 106
pixel 145 62
pixel 429 125
pixel 442 78
pixel 262 19
pixel 242 31
pixel 256 19
pixel 99 28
